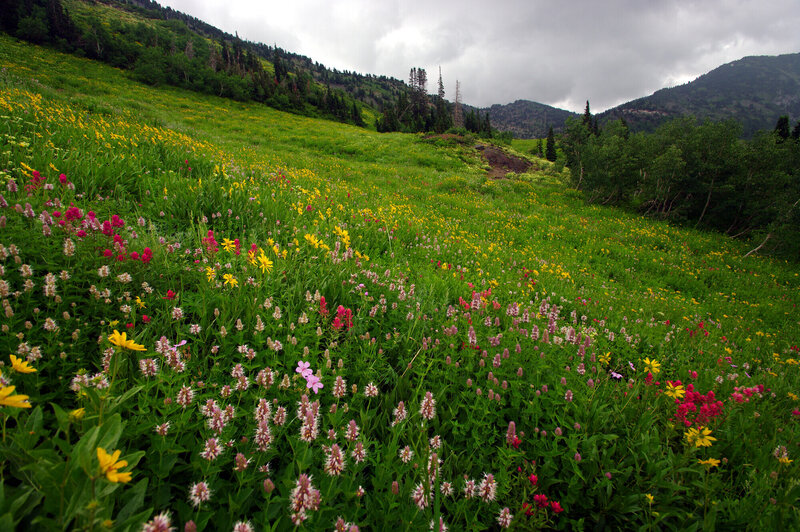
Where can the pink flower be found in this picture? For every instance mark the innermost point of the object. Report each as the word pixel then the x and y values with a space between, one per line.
pixel 314 383
pixel 304 369
pixel 556 507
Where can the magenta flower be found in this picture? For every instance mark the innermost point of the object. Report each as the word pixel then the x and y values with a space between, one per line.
pixel 303 368
pixel 314 383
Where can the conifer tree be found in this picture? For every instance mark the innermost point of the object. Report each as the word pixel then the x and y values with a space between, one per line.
pixel 550 149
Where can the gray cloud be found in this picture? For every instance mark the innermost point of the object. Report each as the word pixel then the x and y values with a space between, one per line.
pixel 558 53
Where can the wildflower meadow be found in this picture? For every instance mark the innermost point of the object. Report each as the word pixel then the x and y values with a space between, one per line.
pixel 217 316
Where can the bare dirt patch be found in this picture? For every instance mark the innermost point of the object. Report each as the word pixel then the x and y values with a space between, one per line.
pixel 501 163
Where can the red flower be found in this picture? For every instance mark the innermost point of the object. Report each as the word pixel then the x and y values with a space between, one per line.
pixel 527 508
pixel 145 318
pixel 556 507
pixel 534 479
pixel 541 500
pixel 170 295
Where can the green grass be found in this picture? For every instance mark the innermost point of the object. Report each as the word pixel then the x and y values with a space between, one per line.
pixel 405 233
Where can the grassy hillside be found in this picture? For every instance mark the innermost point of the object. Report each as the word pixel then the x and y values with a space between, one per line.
pixel 325 326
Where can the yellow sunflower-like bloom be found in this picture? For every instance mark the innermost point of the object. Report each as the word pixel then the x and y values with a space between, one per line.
pixel 110 464
pixel 8 399
pixel 21 366
pixel 121 340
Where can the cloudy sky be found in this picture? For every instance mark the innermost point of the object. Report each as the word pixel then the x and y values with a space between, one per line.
pixel 556 52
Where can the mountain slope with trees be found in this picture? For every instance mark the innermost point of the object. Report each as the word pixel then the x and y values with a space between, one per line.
pixel 527 119
pixel 754 91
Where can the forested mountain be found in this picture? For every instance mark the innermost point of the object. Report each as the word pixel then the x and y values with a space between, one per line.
pixel 754 91
pixel 161 46
pixel 527 119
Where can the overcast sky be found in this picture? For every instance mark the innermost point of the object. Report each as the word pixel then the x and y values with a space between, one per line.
pixel 556 52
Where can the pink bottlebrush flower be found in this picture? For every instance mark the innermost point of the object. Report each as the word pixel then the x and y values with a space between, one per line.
pixel 400 413
pixel 334 462
pixel 243 526
pixel 304 497
pixel 160 523
pixel 199 493
pixel 487 490
pixel 263 436
pixel 371 390
pixel 428 407
pixel 511 433
pixel 421 496
pixel 240 462
pixel 212 449
pixel 280 416
pixel 406 454
pixel 505 518
pixel 352 431
pixel 533 479
pixel 470 489
pixel 359 453
pixel 339 387
pixel 148 367
pixel 263 410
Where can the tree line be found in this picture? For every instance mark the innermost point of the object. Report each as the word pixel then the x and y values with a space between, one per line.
pixel 169 53
pixel 704 175
pixel 416 111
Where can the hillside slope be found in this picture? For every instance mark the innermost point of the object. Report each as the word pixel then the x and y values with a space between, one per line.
pixel 527 119
pixel 754 90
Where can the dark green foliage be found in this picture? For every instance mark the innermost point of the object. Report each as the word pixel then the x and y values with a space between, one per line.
pixel 782 127
pixel 550 149
pixel 703 175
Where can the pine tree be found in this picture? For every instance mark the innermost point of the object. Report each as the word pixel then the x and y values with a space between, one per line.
pixel 782 128
pixel 550 149
pixel 587 116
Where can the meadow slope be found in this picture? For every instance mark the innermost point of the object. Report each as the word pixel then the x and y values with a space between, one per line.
pixel 279 321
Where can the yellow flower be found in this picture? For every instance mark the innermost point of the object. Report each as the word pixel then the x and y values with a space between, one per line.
pixel 16 401
pixel 77 414
pixel 711 462
pixel 605 358
pixel 652 366
pixel 230 280
pixel 649 498
pixel 785 460
pixel 140 303
pixel 121 340
pixel 110 465
pixel 211 273
pixel 674 391
pixel 700 437
pixel 228 244
pixel 21 366
pixel 264 263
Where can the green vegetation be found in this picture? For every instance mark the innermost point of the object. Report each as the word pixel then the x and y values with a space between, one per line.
pixel 703 175
pixel 327 326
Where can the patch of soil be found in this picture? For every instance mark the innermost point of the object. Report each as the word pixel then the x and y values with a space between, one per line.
pixel 502 163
